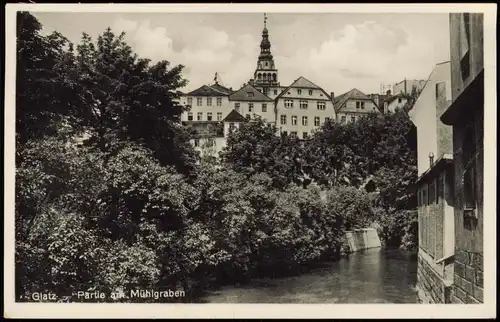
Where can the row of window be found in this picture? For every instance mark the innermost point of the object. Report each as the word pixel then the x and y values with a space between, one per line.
pixel 304 105
pixel 294 134
pixel 360 105
pixel 343 119
pixel 199 116
pixel 199 101
pixel 251 107
pixel 283 120
pixel 429 194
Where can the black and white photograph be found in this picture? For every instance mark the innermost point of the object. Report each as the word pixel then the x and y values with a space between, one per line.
pixel 250 154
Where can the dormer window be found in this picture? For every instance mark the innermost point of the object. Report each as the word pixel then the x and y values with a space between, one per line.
pixel 250 94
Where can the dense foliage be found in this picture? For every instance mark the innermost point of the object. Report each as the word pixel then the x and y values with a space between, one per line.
pixel 110 198
pixel 377 154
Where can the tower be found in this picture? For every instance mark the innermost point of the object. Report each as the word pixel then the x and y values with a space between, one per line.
pixel 266 74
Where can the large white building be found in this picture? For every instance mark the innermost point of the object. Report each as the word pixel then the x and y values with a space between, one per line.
pixel 298 109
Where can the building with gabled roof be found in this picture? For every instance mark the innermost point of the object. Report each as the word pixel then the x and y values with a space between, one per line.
pixel 250 102
pixel 352 105
pixel 302 108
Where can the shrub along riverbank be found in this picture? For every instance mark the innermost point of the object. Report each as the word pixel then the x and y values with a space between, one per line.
pixel 131 208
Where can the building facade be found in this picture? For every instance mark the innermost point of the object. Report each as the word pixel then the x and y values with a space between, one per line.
pixel 406 86
pixel 434 189
pixel 353 105
pixel 466 117
pixel 302 108
pixel 298 109
pixel 250 102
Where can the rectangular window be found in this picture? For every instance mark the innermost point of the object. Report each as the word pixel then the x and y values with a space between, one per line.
pixel 299 91
pixel 327 119
pixel 231 127
pixel 237 107
pixel 294 120
pixel 310 92
pixel 316 121
pixel 284 133
pixel 190 116
pixel 199 101
pixel 289 103
pixel 353 118
pixel 440 189
pixel 275 92
pixel 424 196
pixel 250 107
pixel 362 105
pixel 358 104
pixel 342 119
pixel 321 106
pixel 432 192
pixel 219 116
pixel 304 135
pixel 283 119
pixel 469 174
pixel 264 107
pixel 293 134
pixel 219 101
pixel 209 116
pixel 200 116
pixel 303 105
pixel 190 101
pixel 265 90
pixel 209 101
pixel 304 120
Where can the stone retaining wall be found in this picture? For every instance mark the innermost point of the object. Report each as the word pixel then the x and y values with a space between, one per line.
pixel 361 239
pixel 430 285
pixel 468 279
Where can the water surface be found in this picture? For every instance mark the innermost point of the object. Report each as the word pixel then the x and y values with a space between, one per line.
pixel 372 276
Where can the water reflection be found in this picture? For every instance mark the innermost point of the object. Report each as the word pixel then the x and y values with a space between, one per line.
pixel 372 276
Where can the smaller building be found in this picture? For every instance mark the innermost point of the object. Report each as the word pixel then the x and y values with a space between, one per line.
pixel 407 86
pixel 212 138
pixel 250 102
pixel 394 102
pixel 352 105
pixel 302 108
pixel 206 103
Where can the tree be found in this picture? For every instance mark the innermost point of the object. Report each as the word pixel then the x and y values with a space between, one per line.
pixel 256 148
pixel 44 92
pixel 123 97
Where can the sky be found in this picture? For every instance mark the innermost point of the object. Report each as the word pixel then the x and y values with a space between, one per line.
pixel 336 51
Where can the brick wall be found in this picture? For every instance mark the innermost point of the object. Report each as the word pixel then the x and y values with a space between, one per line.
pixel 468 281
pixel 468 275
pixel 431 287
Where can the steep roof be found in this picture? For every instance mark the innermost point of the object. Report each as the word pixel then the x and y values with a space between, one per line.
pixel 207 90
pixel 221 88
pixel 234 116
pixel 354 93
pixel 249 93
pixel 302 82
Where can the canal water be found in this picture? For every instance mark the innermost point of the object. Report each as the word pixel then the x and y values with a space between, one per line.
pixel 372 276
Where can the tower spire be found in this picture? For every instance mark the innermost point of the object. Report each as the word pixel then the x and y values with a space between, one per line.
pixel 265 21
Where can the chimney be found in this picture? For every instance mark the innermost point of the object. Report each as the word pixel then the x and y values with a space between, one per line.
pixel 251 81
pixel 332 94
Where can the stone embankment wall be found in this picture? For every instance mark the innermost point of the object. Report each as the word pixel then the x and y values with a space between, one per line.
pixel 361 239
